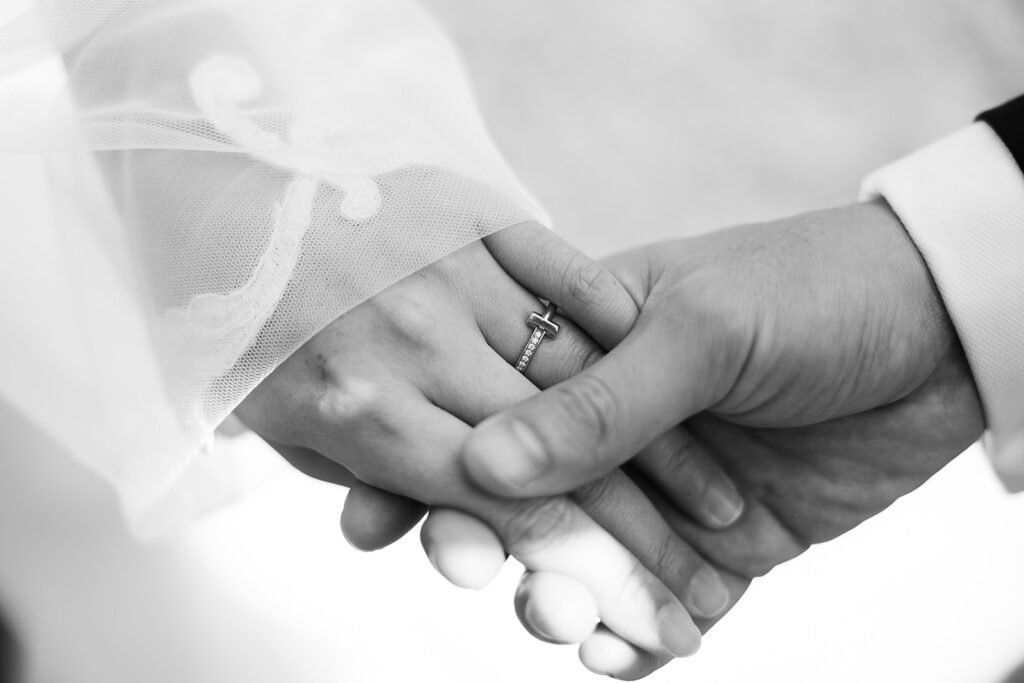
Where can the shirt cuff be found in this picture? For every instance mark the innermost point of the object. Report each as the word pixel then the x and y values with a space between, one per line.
pixel 961 200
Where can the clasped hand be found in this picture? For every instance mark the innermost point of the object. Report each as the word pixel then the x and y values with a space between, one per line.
pixel 768 387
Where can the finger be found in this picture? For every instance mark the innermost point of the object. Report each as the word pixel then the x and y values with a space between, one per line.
pixel 417 446
pixel 618 505
pixel 555 608
pixel 505 327
pixel 691 478
pixel 759 540
pixel 553 269
pixel 553 534
pixel 586 426
pixel 475 382
pixel 701 488
pixel 546 534
pixel 469 562
pixel 605 653
pixel 373 519
pixel 748 543
pixel 615 502
pixel 462 549
pixel 312 464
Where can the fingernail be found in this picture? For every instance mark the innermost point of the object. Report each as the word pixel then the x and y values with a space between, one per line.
pixel 677 631
pixel 707 594
pixel 508 453
pixel 723 503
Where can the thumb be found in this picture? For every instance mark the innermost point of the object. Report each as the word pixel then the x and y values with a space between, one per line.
pixel 670 366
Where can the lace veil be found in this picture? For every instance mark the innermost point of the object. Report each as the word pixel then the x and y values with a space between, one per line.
pixel 222 179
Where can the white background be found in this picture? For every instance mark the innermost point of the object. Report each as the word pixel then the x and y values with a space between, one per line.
pixel 631 121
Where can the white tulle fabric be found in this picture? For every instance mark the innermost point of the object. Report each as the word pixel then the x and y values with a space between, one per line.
pixel 226 177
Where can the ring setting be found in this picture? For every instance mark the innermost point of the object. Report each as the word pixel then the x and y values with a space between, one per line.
pixel 543 327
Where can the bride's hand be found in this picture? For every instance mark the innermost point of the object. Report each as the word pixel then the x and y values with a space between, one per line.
pixel 391 389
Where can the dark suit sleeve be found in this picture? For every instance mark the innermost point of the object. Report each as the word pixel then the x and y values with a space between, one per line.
pixel 1007 120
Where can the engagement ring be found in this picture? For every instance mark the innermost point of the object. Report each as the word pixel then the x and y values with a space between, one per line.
pixel 543 327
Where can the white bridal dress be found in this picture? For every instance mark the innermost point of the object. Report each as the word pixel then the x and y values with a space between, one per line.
pixel 191 188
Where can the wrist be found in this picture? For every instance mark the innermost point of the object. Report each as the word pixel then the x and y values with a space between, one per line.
pixel 910 282
pixel 962 202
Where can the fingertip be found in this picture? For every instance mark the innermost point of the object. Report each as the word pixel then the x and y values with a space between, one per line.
pixel 372 519
pixel 356 540
pixel 556 608
pixel 461 548
pixel 606 654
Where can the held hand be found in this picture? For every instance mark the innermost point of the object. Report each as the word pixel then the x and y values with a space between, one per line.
pixel 811 357
pixel 389 391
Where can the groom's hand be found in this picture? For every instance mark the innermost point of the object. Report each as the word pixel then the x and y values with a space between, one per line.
pixel 790 325
pixel 812 357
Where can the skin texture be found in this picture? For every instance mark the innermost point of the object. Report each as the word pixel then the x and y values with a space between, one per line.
pixel 390 390
pixel 811 358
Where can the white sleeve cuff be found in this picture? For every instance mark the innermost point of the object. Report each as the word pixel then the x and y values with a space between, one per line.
pixel 962 201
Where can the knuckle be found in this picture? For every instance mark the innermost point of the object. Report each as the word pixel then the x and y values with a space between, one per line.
pixel 589 404
pixel 593 494
pixel 351 401
pixel 584 281
pixel 680 468
pixel 411 324
pixel 534 524
pixel 672 458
